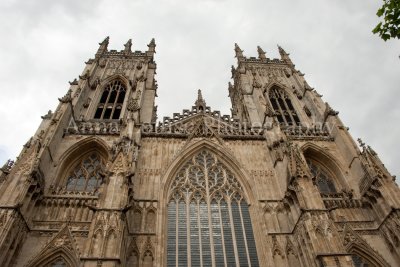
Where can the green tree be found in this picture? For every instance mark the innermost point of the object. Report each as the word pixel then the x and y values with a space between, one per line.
pixel 390 26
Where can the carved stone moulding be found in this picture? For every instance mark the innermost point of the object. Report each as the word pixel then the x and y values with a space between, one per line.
pixel 93 127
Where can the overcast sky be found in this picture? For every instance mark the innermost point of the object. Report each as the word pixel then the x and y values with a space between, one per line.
pixel 45 43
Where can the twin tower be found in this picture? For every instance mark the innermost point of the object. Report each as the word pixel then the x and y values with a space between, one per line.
pixel 279 182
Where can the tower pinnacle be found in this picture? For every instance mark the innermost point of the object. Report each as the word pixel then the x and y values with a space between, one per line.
pixel 103 45
pixel 284 56
pixel 261 53
pixel 128 46
pixel 200 102
pixel 238 52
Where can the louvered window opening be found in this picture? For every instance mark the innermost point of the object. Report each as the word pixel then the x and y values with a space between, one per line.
pixel 283 107
pixel 208 218
pixel 86 175
pixel 111 101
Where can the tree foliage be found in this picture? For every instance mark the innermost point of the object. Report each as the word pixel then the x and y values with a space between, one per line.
pixel 390 26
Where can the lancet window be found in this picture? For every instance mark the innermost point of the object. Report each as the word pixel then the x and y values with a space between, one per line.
pixel 208 220
pixel 322 177
pixel 86 174
pixel 111 101
pixel 283 108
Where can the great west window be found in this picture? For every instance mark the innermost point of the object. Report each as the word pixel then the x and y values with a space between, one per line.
pixel 208 218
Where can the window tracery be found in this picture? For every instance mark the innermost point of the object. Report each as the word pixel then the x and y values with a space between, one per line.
pixel 283 108
pixel 86 175
pixel 208 215
pixel 322 177
pixel 111 101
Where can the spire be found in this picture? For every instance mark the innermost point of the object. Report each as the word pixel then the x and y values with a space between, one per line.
pixel 128 47
pixel 103 46
pixel 261 53
pixel 200 103
pixel 284 56
pixel 238 52
pixel 152 47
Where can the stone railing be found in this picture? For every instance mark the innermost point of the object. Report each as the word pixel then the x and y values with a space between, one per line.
pixel 94 127
pixel 306 133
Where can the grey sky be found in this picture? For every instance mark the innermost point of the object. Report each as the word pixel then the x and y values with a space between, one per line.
pixel 45 43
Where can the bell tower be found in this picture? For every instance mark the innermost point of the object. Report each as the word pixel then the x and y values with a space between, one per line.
pixel 256 79
pixel 79 166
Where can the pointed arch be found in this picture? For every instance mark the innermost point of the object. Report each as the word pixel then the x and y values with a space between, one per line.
pixel 61 246
pixel 282 104
pixel 207 167
pixel 133 255
pixel 366 254
pixel 150 220
pixel 224 155
pixel 330 164
pixel 113 92
pixel 76 153
pixel 137 219
pixel 97 241
pixel 47 258
pixel 111 243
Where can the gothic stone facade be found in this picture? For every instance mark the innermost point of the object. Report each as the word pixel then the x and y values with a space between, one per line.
pixel 279 183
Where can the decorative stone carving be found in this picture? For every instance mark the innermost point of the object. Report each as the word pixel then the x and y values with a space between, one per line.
pixel 133 104
pixel 74 82
pixel 87 102
pixel 67 98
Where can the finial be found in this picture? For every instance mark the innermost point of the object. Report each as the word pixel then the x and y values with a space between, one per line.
pixel 261 53
pixel 103 46
pixel 285 56
pixel 105 41
pixel 200 103
pixel 238 51
pixel 152 43
pixel 152 47
pixel 128 46
pixel 281 50
pixel 199 95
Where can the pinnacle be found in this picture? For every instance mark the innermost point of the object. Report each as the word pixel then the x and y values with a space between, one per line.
pixel 200 102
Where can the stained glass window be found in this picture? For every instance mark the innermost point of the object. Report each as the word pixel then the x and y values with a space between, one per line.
pixel 283 107
pixel 110 104
pixel 323 179
pixel 85 176
pixel 208 220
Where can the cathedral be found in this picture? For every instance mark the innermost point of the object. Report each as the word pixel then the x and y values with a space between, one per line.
pixel 278 182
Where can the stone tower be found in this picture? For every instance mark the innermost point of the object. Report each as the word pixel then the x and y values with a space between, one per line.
pixel 279 183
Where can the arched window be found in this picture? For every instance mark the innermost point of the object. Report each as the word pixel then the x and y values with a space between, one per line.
pixel 208 215
pixel 359 261
pixel 322 177
pixel 111 101
pixel 283 107
pixel 86 174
